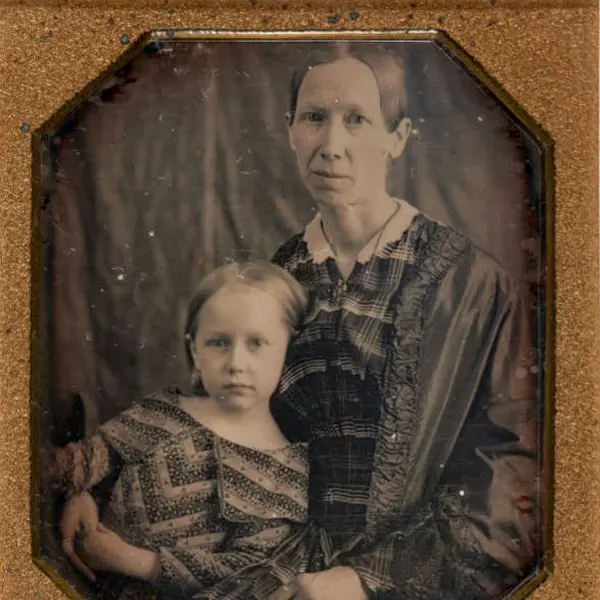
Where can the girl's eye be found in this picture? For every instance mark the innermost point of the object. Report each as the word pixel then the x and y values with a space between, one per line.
pixel 256 343
pixel 217 343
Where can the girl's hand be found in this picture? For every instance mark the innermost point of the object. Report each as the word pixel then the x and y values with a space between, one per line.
pixel 79 517
pixel 104 550
pixel 101 549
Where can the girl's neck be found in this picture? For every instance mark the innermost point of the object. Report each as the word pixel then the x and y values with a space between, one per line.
pixel 350 228
pixel 255 428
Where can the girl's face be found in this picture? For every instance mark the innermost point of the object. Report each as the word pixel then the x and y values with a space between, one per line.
pixel 240 346
pixel 339 134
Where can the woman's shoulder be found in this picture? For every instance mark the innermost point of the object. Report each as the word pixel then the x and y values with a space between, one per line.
pixel 292 249
pixel 451 258
pixel 434 239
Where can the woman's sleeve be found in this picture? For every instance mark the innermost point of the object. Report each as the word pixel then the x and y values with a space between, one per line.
pixel 80 466
pixel 477 537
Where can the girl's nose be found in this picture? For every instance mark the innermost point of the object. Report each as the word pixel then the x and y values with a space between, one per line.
pixel 237 358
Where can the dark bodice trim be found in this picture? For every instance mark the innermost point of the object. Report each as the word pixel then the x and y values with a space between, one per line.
pixel 436 247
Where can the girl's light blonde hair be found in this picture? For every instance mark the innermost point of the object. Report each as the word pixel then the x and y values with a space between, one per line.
pixel 260 274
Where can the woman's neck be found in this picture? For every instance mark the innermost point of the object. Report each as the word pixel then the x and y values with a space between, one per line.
pixel 349 228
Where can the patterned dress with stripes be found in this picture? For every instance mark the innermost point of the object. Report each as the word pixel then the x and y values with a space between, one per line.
pixel 207 506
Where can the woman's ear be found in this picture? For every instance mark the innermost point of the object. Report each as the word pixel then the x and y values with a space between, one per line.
pixel 400 137
pixel 291 138
pixel 289 119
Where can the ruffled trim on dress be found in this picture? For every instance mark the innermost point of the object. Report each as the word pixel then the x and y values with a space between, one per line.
pixel 437 248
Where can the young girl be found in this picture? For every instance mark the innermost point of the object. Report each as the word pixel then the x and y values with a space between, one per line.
pixel 206 483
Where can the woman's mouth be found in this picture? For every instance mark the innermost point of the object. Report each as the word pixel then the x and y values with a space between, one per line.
pixel 329 175
pixel 329 181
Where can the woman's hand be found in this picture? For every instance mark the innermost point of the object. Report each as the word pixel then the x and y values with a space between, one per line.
pixel 79 517
pixel 104 550
pixel 333 584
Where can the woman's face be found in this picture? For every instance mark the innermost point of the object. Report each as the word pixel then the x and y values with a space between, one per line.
pixel 339 134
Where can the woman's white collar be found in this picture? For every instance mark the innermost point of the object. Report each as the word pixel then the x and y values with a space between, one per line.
pixel 320 250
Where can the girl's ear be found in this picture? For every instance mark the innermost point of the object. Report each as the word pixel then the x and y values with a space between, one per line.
pixel 191 347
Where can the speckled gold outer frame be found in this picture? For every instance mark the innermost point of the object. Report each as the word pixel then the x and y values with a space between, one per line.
pixel 543 55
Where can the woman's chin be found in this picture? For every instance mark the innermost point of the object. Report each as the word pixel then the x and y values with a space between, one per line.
pixel 332 199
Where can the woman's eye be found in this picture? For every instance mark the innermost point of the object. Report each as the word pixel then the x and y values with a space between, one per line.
pixel 356 119
pixel 313 116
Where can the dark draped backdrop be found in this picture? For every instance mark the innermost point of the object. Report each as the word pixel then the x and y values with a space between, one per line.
pixel 181 162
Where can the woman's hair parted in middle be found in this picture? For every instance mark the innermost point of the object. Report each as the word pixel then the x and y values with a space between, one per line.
pixel 387 68
pixel 260 274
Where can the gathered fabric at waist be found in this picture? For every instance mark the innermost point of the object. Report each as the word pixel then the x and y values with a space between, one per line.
pixel 343 412
pixel 340 480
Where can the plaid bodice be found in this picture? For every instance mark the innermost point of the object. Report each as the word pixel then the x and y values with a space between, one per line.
pixel 333 376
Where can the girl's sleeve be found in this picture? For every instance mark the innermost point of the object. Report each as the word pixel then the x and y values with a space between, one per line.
pixel 193 572
pixel 80 466
pixel 125 438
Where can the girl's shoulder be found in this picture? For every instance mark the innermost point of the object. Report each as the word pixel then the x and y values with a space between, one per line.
pixel 150 421
pixel 162 408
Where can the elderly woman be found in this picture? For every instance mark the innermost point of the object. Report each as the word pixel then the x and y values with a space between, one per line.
pixel 409 378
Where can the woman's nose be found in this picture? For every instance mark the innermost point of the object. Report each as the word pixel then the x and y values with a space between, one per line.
pixel 333 141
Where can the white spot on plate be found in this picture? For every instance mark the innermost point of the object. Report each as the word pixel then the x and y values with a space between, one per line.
pixel 521 373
